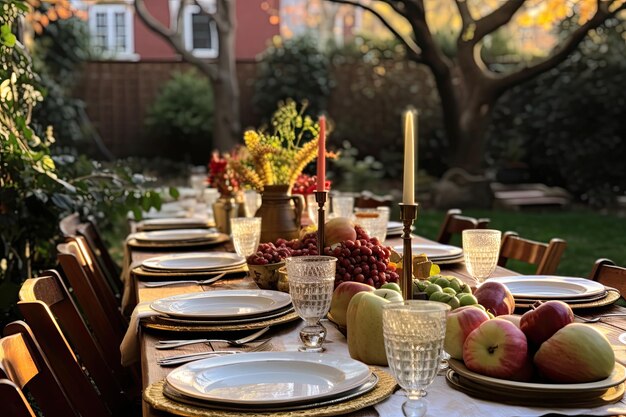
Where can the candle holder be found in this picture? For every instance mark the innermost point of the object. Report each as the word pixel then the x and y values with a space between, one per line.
pixel 320 198
pixel 408 213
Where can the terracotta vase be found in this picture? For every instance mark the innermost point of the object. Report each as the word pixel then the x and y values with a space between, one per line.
pixel 224 209
pixel 281 213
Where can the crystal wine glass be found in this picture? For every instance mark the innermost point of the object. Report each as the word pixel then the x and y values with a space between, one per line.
pixel 342 205
pixel 311 284
pixel 246 234
pixel 414 332
pixel 481 249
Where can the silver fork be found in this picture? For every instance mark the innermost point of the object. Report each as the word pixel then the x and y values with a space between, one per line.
pixel 180 359
pixel 597 318
pixel 187 281
pixel 171 344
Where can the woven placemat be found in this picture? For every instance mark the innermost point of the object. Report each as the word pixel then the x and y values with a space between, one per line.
pixel 154 396
pixel 612 295
pixel 146 275
pixel 156 324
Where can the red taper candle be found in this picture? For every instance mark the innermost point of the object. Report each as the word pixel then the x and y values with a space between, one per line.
pixel 321 156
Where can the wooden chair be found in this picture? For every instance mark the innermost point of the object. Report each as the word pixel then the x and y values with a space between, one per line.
pixel 369 200
pixel 46 297
pixel 23 364
pixel 95 300
pixel 455 223
pixel 545 255
pixel 95 243
pixel 607 273
pixel 69 225
pixel 13 401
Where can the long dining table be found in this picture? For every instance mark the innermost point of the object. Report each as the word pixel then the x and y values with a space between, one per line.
pixel 288 333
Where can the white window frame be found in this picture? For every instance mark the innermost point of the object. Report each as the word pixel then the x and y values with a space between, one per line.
pixel 188 13
pixel 111 10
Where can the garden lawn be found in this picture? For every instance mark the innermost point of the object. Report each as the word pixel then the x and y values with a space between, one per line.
pixel 589 235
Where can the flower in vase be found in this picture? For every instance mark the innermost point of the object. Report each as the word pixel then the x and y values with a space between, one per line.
pixel 221 176
pixel 307 184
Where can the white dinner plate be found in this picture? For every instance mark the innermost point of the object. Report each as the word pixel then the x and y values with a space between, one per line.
pixel 617 377
pixel 550 287
pixel 434 251
pixel 269 377
pixel 194 261
pixel 185 222
pixel 227 304
pixel 176 235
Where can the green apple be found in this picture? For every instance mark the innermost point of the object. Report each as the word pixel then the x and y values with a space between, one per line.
pixel 392 286
pixel 365 325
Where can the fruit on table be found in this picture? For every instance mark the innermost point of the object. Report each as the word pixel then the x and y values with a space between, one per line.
pixel 445 289
pixel 495 297
pixel 365 325
pixel 270 253
pixel 496 348
pixel 459 324
pixel 392 286
pixel 338 230
pixel 541 322
pixel 341 299
pixel 576 353
pixel 513 318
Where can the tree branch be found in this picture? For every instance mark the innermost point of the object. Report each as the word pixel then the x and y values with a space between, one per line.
pixel 410 45
pixel 466 16
pixel 174 37
pixel 496 19
pixel 561 52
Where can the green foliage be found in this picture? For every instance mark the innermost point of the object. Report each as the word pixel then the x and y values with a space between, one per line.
pixel 38 189
pixel 570 122
pixel 351 173
pixel 183 111
pixel 296 69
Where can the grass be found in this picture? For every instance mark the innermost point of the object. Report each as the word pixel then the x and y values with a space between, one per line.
pixel 589 235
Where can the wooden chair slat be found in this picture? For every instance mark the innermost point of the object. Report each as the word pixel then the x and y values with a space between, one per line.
pixel 607 273
pixel 13 401
pixel 95 242
pixel 546 256
pixel 455 222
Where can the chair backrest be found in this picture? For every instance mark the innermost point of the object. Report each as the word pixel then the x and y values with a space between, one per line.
pixel 111 270
pixel 607 273
pixel 46 297
pixel 69 225
pixel 13 401
pixel 545 255
pixel 369 200
pixel 23 363
pixel 104 317
pixel 455 222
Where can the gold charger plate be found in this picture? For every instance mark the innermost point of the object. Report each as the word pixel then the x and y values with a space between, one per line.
pixel 219 239
pixel 612 295
pixel 157 324
pixel 154 396
pixel 146 275
pixel 608 396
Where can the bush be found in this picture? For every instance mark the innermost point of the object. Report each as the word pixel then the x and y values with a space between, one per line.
pixel 182 115
pixel 295 69
pixel 569 123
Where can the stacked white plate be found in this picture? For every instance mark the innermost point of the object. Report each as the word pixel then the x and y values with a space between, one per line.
pixel 270 381
pixel 437 253
pixel 168 223
pixel 177 235
pixel 530 288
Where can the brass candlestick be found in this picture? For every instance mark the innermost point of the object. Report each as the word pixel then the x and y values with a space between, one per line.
pixel 408 213
pixel 320 198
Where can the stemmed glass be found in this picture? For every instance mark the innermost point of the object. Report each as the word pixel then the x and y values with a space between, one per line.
pixel 311 284
pixel 481 249
pixel 414 332
pixel 246 234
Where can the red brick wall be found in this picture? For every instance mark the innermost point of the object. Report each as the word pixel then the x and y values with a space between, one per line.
pixel 148 45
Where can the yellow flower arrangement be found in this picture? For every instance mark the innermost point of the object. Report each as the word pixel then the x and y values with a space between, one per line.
pixel 279 156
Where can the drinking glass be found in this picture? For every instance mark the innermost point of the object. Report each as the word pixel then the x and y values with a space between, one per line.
pixel 251 200
pixel 374 221
pixel 414 332
pixel 311 284
pixel 312 206
pixel 246 234
pixel 342 206
pixel 481 249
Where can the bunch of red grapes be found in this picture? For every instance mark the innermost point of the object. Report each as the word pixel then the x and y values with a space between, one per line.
pixel 271 253
pixel 363 260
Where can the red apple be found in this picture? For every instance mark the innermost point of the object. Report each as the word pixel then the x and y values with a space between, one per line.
pixel 513 318
pixel 527 372
pixel 496 348
pixel 338 230
pixel 495 297
pixel 459 325
pixel 540 323
pixel 341 299
pixel 577 353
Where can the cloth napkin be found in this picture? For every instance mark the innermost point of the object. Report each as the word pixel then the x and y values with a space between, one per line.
pixel 129 298
pixel 443 400
pixel 130 344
